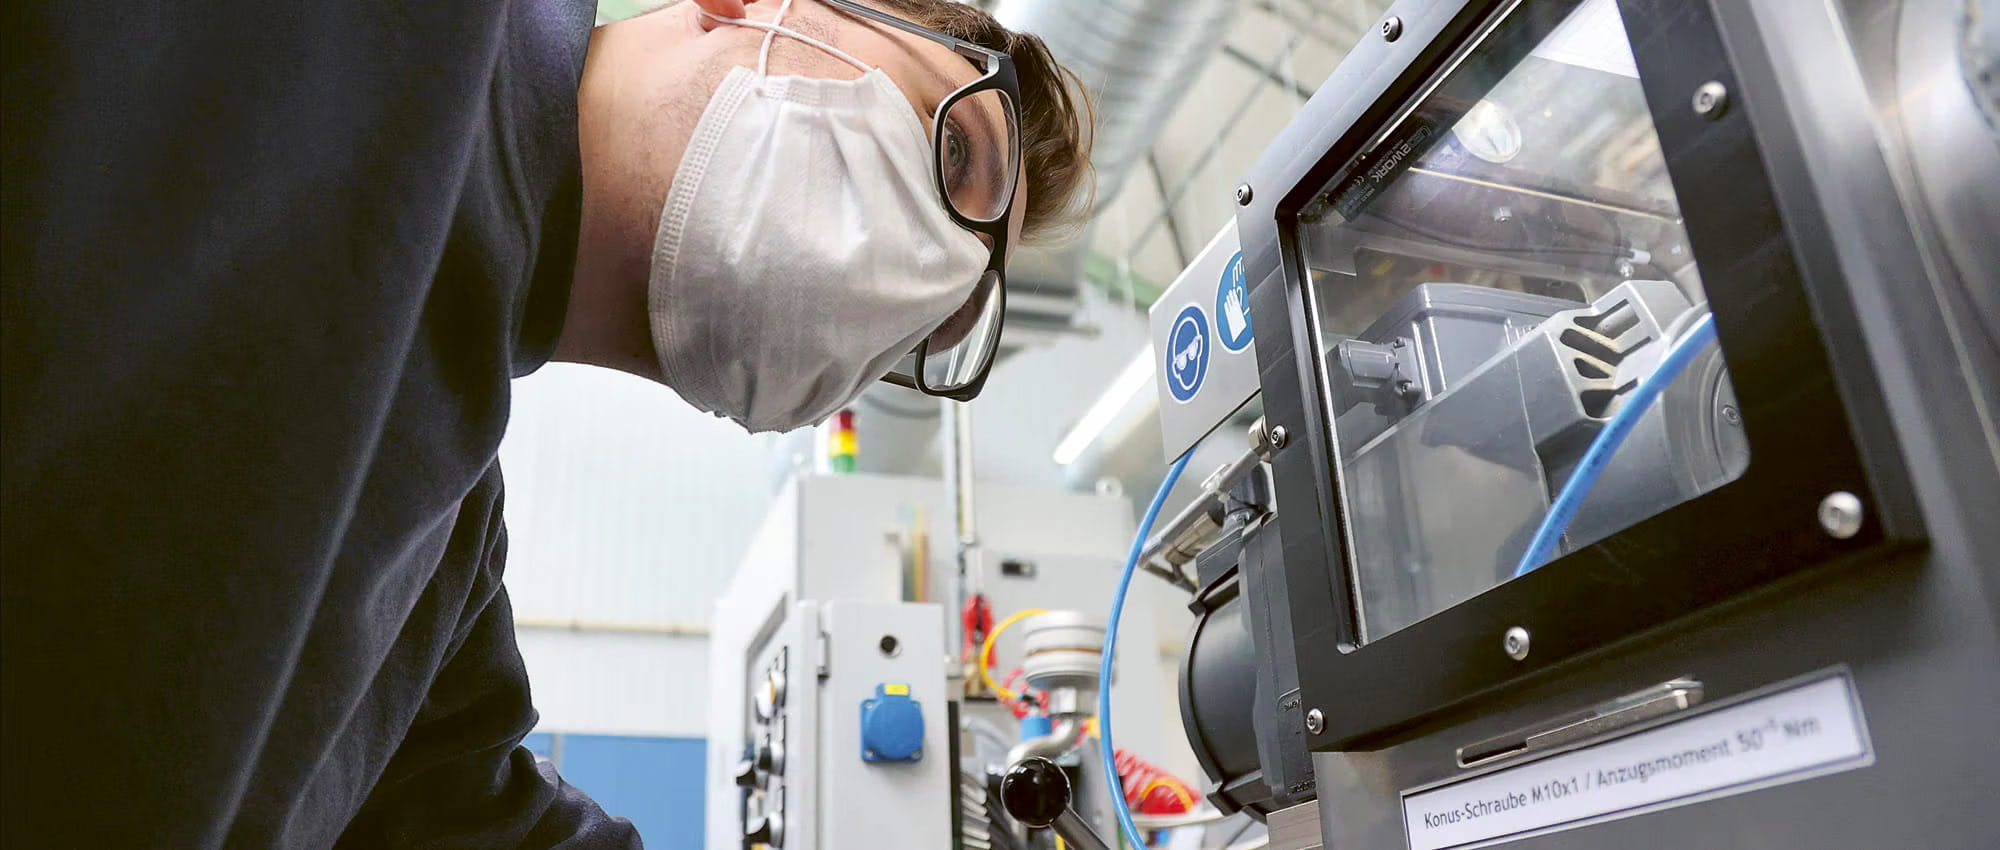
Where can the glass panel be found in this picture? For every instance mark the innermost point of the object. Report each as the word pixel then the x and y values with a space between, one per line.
pixel 960 348
pixel 1494 277
pixel 978 156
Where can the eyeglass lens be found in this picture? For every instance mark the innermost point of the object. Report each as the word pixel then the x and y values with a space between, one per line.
pixel 959 348
pixel 979 154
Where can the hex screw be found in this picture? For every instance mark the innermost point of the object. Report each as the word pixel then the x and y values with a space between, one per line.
pixel 1516 643
pixel 1840 514
pixel 1711 99
pixel 1392 28
pixel 1243 194
pixel 1315 721
pixel 1279 436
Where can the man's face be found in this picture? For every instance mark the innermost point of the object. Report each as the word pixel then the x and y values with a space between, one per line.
pixel 661 69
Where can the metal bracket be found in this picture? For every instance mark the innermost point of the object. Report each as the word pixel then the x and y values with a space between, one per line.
pixel 1664 698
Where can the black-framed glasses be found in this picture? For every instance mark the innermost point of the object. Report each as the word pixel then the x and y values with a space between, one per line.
pixel 976 141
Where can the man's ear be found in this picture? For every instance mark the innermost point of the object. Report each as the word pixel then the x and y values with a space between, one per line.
pixel 721 9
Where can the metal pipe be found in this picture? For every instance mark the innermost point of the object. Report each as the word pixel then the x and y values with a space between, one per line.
pixel 1059 740
pixel 1214 145
pixel 1173 221
pixel 1138 58
pixel 1273 72
pixel 958 480
pixel 1076 832
pixel 1067 709
pixel 1038 794
pixel 1192 516
pixel 1183 547
pixel 602 626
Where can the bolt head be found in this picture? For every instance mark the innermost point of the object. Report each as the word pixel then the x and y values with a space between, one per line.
pixel 1516 643
pixel 1243 194
pixel 1840 514
pixel 1392 28
pixel 1315 721
pixel 1711 99
pixel 1279 436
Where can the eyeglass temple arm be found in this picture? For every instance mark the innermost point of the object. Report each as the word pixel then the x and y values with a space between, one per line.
pixel 878 16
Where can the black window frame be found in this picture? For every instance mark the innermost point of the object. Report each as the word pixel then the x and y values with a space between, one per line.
pixel 1808 405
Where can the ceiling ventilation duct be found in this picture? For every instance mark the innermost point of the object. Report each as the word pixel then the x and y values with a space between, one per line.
pixel 1137 57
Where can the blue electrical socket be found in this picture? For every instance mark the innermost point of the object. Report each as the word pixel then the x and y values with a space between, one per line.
pixel 892 725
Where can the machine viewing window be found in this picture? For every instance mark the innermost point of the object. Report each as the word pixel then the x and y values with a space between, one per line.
pixel 1491 278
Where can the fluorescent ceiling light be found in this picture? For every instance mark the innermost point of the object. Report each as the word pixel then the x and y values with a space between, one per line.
pixel 1136 378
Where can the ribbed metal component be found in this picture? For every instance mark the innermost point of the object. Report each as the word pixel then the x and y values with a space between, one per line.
pixel 1064 650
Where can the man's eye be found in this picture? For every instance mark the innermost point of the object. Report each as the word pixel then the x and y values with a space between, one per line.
pixel 957 155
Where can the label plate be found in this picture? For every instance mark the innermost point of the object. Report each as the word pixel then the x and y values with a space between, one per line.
pixel 1204 364
pixel 1796 733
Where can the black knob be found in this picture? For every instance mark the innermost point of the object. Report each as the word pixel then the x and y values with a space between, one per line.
pixel 758 831
pixel 746 774
pixel 1035 792
pixel 764 761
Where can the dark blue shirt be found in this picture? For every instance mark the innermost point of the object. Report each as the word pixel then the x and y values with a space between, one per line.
pixel 268 269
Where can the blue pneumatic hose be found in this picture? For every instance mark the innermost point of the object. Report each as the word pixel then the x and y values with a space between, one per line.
pixel 1595 458
pixel 1118 803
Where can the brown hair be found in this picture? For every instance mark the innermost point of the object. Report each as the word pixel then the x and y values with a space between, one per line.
pixel 1055 114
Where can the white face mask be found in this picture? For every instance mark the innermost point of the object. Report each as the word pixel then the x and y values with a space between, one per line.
pixel 803 248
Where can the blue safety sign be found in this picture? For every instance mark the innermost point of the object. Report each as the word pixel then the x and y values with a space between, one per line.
pixel 1232 307
pixel 1187 353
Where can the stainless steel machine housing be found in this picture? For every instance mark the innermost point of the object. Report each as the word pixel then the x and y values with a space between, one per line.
pixel 1837 172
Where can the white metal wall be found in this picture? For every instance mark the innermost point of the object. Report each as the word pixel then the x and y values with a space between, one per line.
pixel 627 511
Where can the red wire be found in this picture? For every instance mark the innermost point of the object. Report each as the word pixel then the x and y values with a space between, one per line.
pixel 976 620
pixel 1136 773
pixel 1021 707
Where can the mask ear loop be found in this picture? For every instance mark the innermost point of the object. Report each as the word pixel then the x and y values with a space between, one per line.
pixel 770 35
pixel 774 28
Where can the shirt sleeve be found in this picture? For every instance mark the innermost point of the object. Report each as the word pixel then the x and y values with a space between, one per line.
pixel 262 271
pixel 462 779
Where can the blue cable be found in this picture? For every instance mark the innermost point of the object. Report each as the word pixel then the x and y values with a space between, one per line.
pixel 1118 803
pixel 1595 458
pixel 1560 513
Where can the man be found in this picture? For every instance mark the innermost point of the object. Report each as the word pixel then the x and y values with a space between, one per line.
pixel 268 271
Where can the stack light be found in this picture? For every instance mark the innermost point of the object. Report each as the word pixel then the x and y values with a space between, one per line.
pixel 840 443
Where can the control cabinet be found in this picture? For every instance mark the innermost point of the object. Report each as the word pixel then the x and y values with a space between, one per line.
pixel 839 538
pixel 846 732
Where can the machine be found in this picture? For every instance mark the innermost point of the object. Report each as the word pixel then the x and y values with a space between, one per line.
pixel 843 712
pixel 848 714
pixel 1625 441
